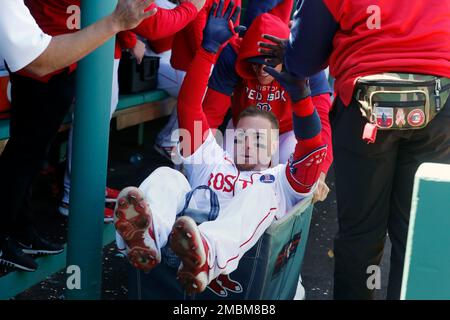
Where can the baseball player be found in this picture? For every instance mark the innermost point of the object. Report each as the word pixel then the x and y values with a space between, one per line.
pixel 251 194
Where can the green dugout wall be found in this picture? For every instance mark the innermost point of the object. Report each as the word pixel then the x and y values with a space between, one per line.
pixel 427 263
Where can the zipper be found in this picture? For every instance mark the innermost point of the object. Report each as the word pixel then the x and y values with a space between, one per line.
pixel 417 103
pixel 407 83
pixel 396 83
pixel 437 92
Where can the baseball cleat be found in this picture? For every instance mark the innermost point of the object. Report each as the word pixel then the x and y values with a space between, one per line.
pixel 217 289
pixel 226 282
pixel 133 221
pixel 187 242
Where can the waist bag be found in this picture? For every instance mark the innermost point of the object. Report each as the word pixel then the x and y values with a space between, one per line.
pixel 401 101
pixel 134 77
pixel 268 271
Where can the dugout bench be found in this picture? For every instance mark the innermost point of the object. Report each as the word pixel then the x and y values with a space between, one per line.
pixel 133 109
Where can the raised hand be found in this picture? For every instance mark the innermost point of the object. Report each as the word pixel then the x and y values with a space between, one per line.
pixel 322 190
pixel 298 89
pixel 130 13
pixel 274 50
pixel 220 27
pixel 138 51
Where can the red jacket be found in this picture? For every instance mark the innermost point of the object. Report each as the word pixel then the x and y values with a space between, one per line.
pixel 161 28
pixel 414 36
pixel 250 92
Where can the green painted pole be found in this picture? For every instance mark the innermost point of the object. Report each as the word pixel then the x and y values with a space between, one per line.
pixel 426 274
pixel 89 162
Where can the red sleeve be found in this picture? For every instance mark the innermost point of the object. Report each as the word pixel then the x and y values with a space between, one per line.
pixel 190 111
pixel 283 10
pixel 306 164
pixel 126 39
pixel 162 45
pixel 323 105
pixel 215 106
pixel 167 22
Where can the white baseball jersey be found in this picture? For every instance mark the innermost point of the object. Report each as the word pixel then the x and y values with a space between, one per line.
pixel 249 201
pixel 212 166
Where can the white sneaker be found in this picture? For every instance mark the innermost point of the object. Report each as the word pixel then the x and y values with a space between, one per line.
pixel 64 209
pixel 300 293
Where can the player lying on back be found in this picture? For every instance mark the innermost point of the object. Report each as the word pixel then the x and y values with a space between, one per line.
pixel 251 194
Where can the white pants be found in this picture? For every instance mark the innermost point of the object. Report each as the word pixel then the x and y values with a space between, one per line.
pixel 235 231
pixel 286 145
pixel 114 102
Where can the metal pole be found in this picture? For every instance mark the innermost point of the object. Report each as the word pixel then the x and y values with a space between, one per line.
pixel 89 160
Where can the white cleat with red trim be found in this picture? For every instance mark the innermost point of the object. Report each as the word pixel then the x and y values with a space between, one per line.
pixel 133 221
pixel 187 242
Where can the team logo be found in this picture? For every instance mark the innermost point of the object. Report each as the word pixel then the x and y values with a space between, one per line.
pixel 385 117
pixel 287 252
pixel 264 106
pixel 400 118
pixel 267 178
pixel 416 118
pixel 224 284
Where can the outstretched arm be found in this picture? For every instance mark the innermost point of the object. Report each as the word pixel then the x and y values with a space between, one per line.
pixel 218 31
pixel 305 166
pixel 311 40
pixel 321 101
pixel 66 49
pixel 167 22
pixel 222 83
pixel 308 160
pixel 190 111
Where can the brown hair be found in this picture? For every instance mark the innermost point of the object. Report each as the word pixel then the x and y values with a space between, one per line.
pixel 254 111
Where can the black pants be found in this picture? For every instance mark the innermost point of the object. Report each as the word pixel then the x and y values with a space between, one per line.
pixel 374 186
pixel 37 111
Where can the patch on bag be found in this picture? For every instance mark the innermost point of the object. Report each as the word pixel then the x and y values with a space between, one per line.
pixel 267 178
pixel 385 117
pixel 416 118
pixel 400 118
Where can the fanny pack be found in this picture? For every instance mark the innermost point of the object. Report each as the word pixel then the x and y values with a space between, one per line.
pixel 401 101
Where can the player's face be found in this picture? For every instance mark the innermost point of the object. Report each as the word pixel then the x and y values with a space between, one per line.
pixel 263 77
pixel 254 143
